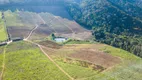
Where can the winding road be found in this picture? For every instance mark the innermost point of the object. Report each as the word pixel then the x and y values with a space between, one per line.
pixel 41 48
pixel 31 32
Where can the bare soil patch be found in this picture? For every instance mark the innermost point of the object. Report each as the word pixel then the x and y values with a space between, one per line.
pixel 50 44
pixel 18 32
pixel 95 57
pixel 86 55
pixel 63 27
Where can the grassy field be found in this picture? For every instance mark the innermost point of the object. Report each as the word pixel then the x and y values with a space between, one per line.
pixel 77 72
pixel 24 61
pixel 1 58
pixel 12 19
pixel 129 68
pixel 29 64
pixel 3 34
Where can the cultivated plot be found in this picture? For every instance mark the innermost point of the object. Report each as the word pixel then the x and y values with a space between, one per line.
pixel 61 27
pixel 20 23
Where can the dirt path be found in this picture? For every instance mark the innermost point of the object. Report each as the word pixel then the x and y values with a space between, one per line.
pixel 3 65
pixel 40 46
pixel 55 63
pixel 31 32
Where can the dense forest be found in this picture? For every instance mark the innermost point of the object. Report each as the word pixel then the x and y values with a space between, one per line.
pixel 114 22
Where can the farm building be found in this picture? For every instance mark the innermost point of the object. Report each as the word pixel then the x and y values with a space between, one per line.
pixel 61 39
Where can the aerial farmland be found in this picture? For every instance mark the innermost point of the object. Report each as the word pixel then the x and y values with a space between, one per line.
pixel 30 49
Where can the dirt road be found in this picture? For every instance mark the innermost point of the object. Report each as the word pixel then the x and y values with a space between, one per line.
pixel 41 48
pixel 31 32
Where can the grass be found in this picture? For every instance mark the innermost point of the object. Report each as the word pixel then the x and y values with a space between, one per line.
pixel 129 69
pixel 125 55
pixel 1 62
pixel 78 72
pixel 12 19
pixel 29 19
pixel 24 61
pixel 1 58
pixel 30 64
pixel 3 34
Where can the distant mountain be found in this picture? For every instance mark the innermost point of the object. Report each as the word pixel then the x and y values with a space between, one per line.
pixel 114 22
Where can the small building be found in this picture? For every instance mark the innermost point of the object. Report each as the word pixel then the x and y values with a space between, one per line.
pixel 60 39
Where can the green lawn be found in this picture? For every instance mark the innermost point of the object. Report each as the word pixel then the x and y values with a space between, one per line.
pixel 1 58
pixel 3 34
pixel 29 64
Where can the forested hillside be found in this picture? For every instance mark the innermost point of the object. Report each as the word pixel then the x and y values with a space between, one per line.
pixel 114 22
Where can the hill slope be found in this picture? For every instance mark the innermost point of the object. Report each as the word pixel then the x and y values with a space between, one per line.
pixel 115 22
